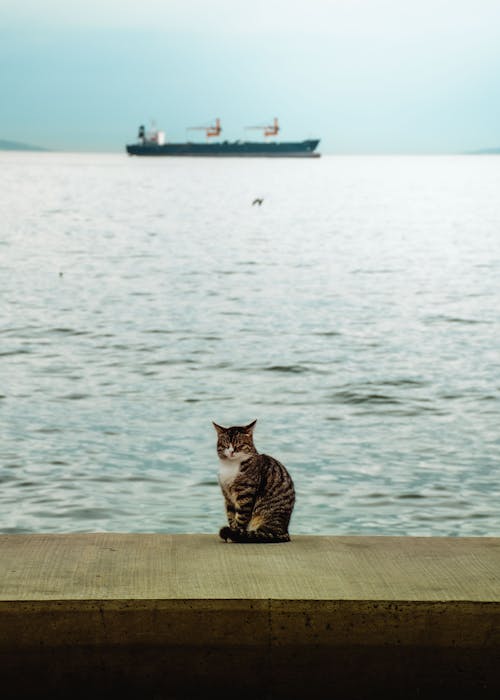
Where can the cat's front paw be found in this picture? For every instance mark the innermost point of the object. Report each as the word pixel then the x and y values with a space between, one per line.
pixel 225 533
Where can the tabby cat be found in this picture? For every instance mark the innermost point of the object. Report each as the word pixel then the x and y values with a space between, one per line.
pixel 257 489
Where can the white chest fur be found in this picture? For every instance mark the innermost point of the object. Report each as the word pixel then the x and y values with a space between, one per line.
pixel 228 469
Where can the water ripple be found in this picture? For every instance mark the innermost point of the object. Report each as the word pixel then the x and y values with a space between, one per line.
pixel 368 355
pixel 358 397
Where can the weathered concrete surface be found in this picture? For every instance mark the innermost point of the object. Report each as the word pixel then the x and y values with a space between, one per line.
pixel 167 616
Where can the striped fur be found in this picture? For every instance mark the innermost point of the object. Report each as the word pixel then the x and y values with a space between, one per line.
pixel 258 490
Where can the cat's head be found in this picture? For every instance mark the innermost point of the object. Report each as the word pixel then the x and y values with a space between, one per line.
pixel 235 443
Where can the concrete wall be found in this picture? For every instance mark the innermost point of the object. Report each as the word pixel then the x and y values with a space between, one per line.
pixel 166 616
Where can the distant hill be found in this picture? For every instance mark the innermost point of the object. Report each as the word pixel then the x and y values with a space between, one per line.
pixel 485 152
pixel 18 146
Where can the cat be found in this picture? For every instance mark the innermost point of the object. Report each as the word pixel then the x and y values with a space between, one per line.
pixel 258 490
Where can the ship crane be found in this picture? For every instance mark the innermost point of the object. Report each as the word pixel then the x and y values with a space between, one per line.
pixel 209 130
pixel 268 130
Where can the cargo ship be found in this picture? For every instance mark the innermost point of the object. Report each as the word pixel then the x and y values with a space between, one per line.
pixel 153 143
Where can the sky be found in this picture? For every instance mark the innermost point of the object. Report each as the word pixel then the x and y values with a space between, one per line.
pixel 364 76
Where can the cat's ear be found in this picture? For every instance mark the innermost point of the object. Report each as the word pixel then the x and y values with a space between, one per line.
pixel 249 428
pixel 219 428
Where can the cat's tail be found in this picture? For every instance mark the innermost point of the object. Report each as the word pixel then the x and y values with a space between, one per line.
pixel 259 536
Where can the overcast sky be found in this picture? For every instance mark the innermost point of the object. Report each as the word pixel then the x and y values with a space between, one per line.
pixel 365 76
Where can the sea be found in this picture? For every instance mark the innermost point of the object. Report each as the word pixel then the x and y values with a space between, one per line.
pixel 355 313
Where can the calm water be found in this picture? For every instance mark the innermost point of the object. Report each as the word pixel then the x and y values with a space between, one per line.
pixel 356 314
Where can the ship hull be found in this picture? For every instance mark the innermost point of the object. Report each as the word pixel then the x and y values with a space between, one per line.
pixel 242 149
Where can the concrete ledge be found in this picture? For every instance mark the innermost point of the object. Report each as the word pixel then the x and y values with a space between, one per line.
pixel 177 616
